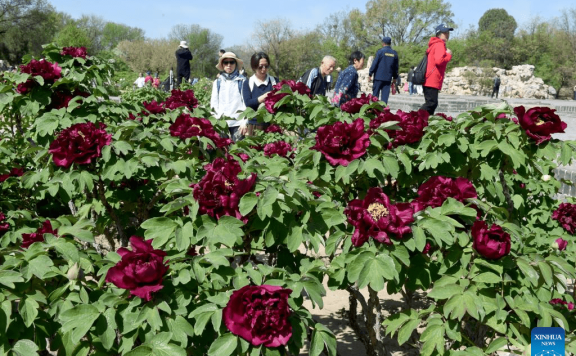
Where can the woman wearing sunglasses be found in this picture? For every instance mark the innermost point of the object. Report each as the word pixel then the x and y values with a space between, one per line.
pixel 226 100
pixel 257 87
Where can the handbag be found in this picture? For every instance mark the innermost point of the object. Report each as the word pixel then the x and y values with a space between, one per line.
pixel 393 89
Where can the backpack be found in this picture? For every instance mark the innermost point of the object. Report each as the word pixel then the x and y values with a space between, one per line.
pixel 304 77
pixel 497 81
pixel 419 76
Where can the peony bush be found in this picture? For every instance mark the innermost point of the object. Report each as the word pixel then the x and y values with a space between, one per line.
pixel 137 228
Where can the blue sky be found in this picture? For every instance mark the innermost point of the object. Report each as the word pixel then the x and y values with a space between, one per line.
pixel 235 19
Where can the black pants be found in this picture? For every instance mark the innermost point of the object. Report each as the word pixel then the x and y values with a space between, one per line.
pixel 431 97
pixel 496 89
pixel 179 78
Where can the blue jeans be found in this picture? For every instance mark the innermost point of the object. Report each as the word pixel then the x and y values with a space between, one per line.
pixel 410 88
pixel 382 87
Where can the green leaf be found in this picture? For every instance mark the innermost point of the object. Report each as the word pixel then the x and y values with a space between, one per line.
pixel 122 147
pixel 528 271
pixel 322 337
pixel 446 139
pixel 79 319
pixel 29 311
pixel 78 230
pixel 8 278
pixel 294 239
pixel 356 266
pixel 496 345
pixel 223 346
pixel 159 229
pixel 142 350
pixel 487 277
pixel 40 266
pixel 546 272
pixel 420 238
pixel 25 348
pixel 445 292
pixel 375 271
pixel 406 330
pixel 247 203
pixel 433 338
pixel 228 230
pixel 391 166
pixel 518 158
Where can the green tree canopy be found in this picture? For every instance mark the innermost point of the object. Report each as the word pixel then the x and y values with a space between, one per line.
pixel 498 23
pixel 204 45
pixel 405 21
pixel 73 35
pixel 114 33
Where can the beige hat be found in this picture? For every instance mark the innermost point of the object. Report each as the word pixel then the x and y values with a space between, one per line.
pixel 183 44
pixel 240 63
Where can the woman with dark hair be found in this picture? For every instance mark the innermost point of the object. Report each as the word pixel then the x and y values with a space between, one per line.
pixel 257 87
pixel 347 86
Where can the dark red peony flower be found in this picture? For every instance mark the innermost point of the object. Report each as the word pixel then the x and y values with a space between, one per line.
pixel 281 148
pixel 181 98
pixel 187 127
pixel 154 107
pixel 14 172
pixel 272 99
pixel 61 98
pixel 426 248
pixel 539 122
pixel 218 193
pixel 38 236
pixel 192 250
pixel 80 144
pixel 353 106
pixel 273 129
pixel 140 270
pixel 376 217
pixel 132 117
pixel 341 143
pixel 243 156
pixel 259 315
pixel 560 244
pixel 79 52
pixel 25 87
pixel 556 301
pixel 491 243
pixel 296 87
pixel 437 189
pixel 566 216
pixel 412 126
pixel 446 117
pixel 50 72
pixel 4 226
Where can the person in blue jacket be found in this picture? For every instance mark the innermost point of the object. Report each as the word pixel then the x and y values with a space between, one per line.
pixel 384 69
pixel 256 88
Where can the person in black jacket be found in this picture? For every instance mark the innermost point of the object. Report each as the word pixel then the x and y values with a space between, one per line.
pixel 183 58
pixel 384 69
pixel 315 78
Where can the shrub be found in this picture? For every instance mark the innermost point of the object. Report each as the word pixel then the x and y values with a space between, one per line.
pixel 217 229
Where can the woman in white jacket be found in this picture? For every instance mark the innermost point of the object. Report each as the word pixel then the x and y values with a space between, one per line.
pixel 226 100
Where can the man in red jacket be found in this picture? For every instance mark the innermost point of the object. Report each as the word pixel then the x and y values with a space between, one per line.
pixel 438 58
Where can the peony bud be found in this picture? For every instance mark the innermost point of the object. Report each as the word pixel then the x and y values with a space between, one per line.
pixel 546 177
pixel 75 272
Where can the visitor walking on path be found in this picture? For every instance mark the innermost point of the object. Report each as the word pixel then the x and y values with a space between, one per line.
pixel 347 86
pixel 140 81
pixel 226 100
pixel 183 58
pixel 438 58
pixel 384 69
pixel 315 78
pixel 256 88
pixel 409 80
pixel 496 88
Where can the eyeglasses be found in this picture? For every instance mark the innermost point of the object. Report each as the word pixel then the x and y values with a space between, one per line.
pixel 264 66
pixel 228 62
